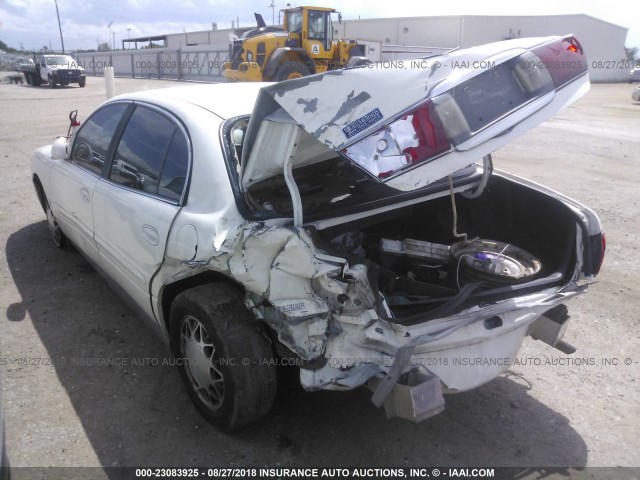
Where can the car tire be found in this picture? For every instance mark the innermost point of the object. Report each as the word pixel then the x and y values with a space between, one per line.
pixel 291 70
pixel 57 235
pixel 82 82
pixel 52 84
pixel 36 81
pixel 225 360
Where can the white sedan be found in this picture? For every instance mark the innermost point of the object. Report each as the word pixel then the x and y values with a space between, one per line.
pixel 338 223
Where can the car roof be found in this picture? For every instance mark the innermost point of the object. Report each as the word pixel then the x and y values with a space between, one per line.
pixel 226 100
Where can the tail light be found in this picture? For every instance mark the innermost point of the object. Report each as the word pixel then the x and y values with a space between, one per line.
pixel 413 138
pixel 564 59
pixel 441 123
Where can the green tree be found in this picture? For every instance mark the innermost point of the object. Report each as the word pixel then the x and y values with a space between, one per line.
pixel 632 53
pixel 7 48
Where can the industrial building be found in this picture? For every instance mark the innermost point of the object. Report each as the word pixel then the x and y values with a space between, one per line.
pixel 603 42
pixel 393 38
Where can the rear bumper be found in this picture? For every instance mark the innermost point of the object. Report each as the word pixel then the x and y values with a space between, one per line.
pixel 418 395
pixel 403 364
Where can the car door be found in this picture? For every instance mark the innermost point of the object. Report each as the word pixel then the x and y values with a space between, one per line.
pixel 72 182
pixel 43 68
pixel 320 34
pixel 134 206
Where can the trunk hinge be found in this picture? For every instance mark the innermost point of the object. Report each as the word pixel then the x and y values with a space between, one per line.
pixel 296 201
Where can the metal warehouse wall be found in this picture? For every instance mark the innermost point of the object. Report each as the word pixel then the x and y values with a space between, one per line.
pixel 603 42
pixel 423 31
pixel 206 37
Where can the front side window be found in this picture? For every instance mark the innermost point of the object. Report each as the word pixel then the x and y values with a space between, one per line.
pixel 294 21
pixel 152 156
pixel 92 140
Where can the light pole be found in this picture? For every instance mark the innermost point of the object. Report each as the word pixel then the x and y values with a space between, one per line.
pixel 59 25
pixel 273 12
pixel 109 28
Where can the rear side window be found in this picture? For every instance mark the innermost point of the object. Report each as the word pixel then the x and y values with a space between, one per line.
pixel 152 156
pixel 93 139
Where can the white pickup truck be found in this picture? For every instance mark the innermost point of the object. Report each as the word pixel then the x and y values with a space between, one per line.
pixel 54 70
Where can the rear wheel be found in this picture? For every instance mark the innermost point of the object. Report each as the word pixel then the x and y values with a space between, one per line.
pixel 225 361
pixel 291 70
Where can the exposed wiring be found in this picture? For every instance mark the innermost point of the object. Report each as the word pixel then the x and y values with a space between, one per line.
pixel 458 269
pixel 487 170
pixel 455 213
pixel 502 254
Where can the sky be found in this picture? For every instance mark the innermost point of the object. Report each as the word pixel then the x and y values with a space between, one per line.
pixel 32 24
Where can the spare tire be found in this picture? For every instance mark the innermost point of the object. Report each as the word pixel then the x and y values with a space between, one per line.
pixel 494 261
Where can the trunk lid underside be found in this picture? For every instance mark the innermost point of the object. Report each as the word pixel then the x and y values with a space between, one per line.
pixel 409 127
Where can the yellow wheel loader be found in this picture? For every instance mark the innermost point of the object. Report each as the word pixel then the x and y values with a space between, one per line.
pixel 304 46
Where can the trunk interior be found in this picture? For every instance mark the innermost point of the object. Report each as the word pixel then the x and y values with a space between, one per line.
pixel 430 278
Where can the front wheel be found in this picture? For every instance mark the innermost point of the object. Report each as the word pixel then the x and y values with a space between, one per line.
pixel 291 70
pixel 52 84
pixel 82 82
pixel 225 361
pixel 57 235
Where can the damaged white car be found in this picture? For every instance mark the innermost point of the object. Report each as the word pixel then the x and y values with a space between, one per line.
pixel 350 223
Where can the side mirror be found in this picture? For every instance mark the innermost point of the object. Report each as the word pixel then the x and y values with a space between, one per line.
pixel 59 149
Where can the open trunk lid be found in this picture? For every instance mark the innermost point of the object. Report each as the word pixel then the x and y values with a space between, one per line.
pixel 408 127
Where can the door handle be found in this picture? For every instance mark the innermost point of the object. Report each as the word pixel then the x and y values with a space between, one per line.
pixel 84 193
pixel 150 235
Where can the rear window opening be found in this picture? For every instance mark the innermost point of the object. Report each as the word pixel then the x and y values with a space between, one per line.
pixel 328 188
pixel 334 187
